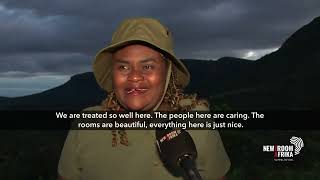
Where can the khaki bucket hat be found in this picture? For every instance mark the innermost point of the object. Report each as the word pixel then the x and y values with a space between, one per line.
pixel 138 30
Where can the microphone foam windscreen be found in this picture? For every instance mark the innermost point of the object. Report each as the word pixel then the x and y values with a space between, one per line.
pixel 174 145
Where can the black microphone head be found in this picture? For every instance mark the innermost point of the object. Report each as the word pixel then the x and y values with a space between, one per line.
pixel 173 145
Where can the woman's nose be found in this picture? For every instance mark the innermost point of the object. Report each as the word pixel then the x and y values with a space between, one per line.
pixel 135 75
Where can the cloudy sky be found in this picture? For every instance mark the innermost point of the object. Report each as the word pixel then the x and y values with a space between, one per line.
pixel 43 43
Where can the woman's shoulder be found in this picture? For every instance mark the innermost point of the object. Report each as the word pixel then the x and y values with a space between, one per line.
pixel 193 103
pixel 93 108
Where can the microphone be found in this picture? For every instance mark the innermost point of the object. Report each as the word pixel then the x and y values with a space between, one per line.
pixel 178 152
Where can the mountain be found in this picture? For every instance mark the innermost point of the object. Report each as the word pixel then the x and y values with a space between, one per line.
pixel 212 77
pixel 304 41
pixel 285 79
pixel 3 98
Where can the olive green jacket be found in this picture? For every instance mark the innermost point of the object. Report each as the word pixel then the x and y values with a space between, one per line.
pixel 88 154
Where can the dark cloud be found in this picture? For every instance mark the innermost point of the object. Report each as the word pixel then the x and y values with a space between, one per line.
pixel 63 36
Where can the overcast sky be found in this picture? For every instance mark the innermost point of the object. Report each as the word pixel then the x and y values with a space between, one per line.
pixel 43 42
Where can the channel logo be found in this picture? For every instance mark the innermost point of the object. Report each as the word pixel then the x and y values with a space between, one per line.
pixel 285 152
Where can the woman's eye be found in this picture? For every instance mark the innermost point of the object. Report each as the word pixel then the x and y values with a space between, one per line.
pixel 147 67
pixel 123 67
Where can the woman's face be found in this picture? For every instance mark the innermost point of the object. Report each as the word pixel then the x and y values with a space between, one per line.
pixel 139 76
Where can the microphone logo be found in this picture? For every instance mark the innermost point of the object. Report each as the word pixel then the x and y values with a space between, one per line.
pixel 170 135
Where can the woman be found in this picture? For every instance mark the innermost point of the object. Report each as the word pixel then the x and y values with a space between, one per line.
pixel 140 73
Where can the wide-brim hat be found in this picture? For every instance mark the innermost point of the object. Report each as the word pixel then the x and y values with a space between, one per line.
pixel 147 31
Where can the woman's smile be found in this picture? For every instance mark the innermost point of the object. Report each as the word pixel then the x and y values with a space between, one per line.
pixel 136 91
